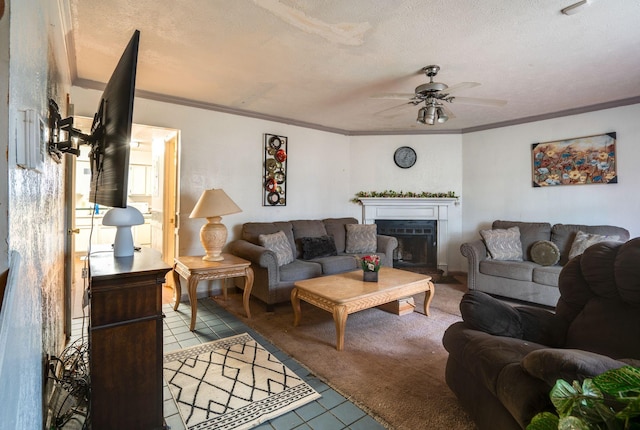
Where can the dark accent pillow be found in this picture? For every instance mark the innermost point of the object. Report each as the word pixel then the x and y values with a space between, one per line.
pixel 316 247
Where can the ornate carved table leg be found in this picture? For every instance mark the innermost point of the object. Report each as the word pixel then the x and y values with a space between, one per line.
pixel 193 300
pixel 177 288
pixel 340 318
pixel 295 302
pixel 248 284
pixel 428 296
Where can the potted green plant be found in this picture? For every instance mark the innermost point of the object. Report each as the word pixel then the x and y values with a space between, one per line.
pixel 608 401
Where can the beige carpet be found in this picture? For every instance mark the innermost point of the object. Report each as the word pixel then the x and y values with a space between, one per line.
pixel 392 366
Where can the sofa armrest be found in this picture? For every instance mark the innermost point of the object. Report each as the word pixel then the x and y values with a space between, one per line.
pixel 475 252
pixel 551 364
pixel 257 254
pixel 484 313
pixel 386 245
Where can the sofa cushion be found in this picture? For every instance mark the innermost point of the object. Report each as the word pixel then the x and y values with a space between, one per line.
pixel 298 270
pixel 545 253
pixel 547 275
pixel 530 233
pixel 279 245
pixel 361 238
pixel 337 264
pixel 564 234
pixel 519 270
pixel 315 247
pixel 503 244
pixel 336 228
pixel 584 240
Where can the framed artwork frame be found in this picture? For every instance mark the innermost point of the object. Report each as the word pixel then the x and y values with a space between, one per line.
pixel 274 180
pixel 576 161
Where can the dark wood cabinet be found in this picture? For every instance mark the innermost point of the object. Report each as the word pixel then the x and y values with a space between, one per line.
pixel 125 340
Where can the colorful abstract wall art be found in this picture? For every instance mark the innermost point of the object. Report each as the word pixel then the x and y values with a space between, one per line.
pixel 577 161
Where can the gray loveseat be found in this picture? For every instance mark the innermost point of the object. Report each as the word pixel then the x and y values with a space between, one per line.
pixel 273 282
pixel 527 280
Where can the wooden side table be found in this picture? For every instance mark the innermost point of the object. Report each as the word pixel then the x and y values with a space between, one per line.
pixel 194 269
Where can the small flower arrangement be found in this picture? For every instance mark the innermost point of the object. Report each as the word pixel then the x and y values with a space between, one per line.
pixel 370 263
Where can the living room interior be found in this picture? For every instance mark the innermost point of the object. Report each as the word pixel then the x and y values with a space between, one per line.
pixel 483 154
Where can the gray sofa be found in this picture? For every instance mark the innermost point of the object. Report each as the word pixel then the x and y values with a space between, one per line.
pixel 527 280
pixel 273 283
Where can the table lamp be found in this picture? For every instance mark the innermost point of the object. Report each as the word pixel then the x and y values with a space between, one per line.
pixel 123 219
pixel 212 205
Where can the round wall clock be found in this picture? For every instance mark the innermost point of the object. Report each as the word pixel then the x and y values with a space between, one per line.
pixel 405 157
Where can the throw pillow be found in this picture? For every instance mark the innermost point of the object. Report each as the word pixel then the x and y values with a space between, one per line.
pixel 279 245
pixel 361 238
pixel 545 253
pixel 316 247
pixel 584 240
pixel 503 244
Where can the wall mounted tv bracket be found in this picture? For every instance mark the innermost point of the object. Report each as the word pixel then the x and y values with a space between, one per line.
pixel 63 138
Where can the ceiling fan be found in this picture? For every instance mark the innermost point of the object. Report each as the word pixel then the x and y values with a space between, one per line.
pixel 434 94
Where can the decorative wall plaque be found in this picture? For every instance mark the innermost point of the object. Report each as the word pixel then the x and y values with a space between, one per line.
pixel 275 171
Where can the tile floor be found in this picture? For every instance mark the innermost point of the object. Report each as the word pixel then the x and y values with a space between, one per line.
pixel 329 412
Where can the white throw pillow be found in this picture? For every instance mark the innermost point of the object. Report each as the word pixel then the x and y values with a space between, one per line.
pixel 361 238
pixel 584 240
pixel 503 244
pixel 279 245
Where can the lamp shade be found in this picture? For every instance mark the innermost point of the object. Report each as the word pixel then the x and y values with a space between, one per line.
pixel 213 203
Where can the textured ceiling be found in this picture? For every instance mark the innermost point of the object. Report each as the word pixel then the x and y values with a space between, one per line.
pixel 318 62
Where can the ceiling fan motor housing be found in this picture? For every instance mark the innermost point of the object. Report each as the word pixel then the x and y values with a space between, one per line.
pixel 430 87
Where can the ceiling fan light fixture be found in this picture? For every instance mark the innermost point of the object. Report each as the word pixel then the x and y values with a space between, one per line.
pixel 442 115
pixel 421 115
pixel 430 117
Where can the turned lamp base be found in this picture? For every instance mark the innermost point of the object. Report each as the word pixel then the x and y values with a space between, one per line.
pixel 213 236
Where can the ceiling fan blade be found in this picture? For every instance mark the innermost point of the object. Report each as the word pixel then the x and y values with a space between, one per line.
pixel 393 96
pixel 478 101
pixel 460 86
pixel 393 108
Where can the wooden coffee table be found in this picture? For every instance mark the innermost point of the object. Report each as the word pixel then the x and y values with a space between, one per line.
pixel 346 293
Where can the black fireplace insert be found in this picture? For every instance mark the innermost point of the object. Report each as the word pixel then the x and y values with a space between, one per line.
pixel 417 242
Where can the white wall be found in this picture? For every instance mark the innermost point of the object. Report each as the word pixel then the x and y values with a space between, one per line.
pixel 490 170
pixel 324 170
pixel 497 175
pixel 4 140
pixel 35 211
pixel 438 168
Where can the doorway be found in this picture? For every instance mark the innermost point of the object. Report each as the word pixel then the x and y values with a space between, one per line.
pixel 153 188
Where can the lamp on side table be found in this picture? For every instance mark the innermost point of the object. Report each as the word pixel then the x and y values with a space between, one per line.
pixel 213 204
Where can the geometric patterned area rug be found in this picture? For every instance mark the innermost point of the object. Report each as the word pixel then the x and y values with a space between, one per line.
pixel 232 383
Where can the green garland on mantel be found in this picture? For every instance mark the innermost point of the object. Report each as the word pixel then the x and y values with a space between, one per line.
pixel 402 194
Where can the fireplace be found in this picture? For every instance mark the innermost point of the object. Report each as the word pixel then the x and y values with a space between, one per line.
pixel 416 209
pixel 417 243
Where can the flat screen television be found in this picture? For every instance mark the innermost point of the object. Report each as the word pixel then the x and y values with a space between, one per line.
pixel 111 132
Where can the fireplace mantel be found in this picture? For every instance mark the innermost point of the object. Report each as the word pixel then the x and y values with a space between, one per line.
pixel 413 208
